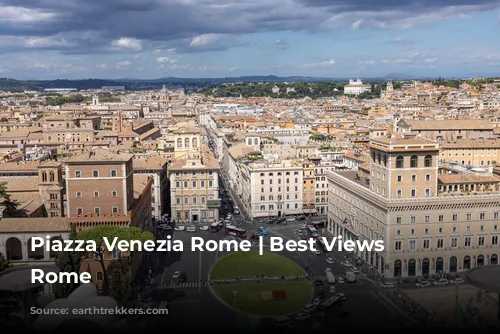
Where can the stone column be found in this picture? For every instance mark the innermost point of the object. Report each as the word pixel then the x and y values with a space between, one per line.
pixel 46 255
pixel 24 248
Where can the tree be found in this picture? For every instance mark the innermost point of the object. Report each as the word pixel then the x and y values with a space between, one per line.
pixel 4 263
pixel 98 233
pixel 68 261
pixel 10 207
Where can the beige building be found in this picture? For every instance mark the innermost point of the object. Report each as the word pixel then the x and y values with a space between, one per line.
pixel 194 179
pixel 406 203
pixel 471 152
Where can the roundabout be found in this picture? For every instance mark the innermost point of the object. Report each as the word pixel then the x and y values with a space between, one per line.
pixel 261 297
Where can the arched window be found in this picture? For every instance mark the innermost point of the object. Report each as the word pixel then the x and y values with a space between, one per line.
pixel 179 142
pixel 385 160
pixel 186 142
pixel 413 161
pixel 44 177
pixel 51 176
pixel 99 276
pixel 195 142
pixel 378 158
pixel 400 162
pixel 428 161
pixel 255 141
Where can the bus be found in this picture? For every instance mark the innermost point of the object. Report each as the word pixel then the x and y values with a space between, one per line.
pixel 237 232
pixel 319 225
pixel 215 227
pixel 236 210
pixel 313 231
pixel 262 231
pixel 321 245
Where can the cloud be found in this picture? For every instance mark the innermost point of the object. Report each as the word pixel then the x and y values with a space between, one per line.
pixel 355 25
pixel 322 64
pixel 206 39
pixel 166 60
pixel 123 64
pixel 125 43
pixel 399 40
pixel 430 60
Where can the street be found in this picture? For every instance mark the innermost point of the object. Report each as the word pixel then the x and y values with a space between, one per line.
pixel 193 303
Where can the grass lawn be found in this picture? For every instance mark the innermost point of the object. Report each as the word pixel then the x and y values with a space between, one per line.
pixel 257 299
pixel 249 264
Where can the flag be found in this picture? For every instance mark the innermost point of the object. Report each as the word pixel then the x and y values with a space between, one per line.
pixel 347 222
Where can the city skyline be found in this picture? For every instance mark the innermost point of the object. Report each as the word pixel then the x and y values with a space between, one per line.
pixel 153 39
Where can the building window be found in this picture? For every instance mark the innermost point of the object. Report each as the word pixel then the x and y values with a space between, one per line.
pixel 79 211
pixel 114 193
pixel 427 219
pixel 399 220
pixel 412 245
pixel 467 242
pixel 413 192
pixel 480 241
pixel 97 211
pixel 413 178
pixel 399 162
pixel 455 217
pixel 441 218
pixel 179 142
pixel 414 161
pixel 399 193
pixel 413 219
pixel 427 192
pixel 115 209
pixel 454 242
pixel 96 194
pixel 78 174
pixel 482 215
pixel 116 254
pixel 428 161
pixel 78 194
pixel 494 240
pixel 113 173
pixel 397 246
pixel 99 276
pixel 95 173
pixel 440 243
pixel 468 216
pixel 426 244
pixel 427 177
pixel 400 178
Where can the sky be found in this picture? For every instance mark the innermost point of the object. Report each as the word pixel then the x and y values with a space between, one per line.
pixel 111 39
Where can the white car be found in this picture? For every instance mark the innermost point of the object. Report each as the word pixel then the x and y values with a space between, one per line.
pixel 387 285
pixel 191 228
pixel 290 219
pixel 317 252
pixel 303 226
pixel 316 301
pixel 204 228
pixel 330 260
pixel 229 216
pixel 328 270
pixel 423 284
pixel 340 280
pixel 332 289
pixel 355 270
pixel 347 264
pixel 441 282
pixel 457 280
pixel 302 316
pixel 180 228
pixel 310 308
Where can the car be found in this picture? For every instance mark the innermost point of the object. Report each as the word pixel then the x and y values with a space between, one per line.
pixel 310 308
pixel 330 260
pixel 355 270
pixel 303 226
pixel 316 301
pixel 191 228
pixel 182 277
pixel 290 219
pixel 229 216
pixel 332 289
pixel 317 252
pixel 179 228
pixel 457 280
pixel 204 228
pixel 340 280
pixel 164 227
pixel 299 232
pixel 347 264
pixel 176 275
pixel 341 296
pixel 302 316
pixel 423 284
pixel 302 218
pixel 441 282
pixel 328 270
pixel 387 285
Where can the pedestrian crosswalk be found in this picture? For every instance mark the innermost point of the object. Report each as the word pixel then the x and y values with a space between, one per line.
pixel 323 278
pixel 179 285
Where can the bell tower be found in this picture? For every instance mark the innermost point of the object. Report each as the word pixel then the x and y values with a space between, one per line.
pixel 51 188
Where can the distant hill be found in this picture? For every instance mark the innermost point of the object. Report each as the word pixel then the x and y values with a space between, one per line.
pixel 14 85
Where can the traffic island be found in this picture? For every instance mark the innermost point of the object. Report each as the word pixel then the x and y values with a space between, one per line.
pixel 251 264
pixel 256 295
